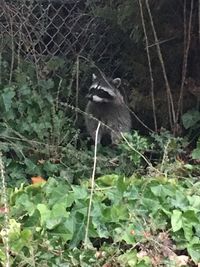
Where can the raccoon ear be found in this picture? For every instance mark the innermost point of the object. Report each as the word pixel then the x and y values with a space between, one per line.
pixel 94 77
pixel 117 82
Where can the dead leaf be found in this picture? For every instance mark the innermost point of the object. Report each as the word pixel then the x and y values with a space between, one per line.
pixel 41 161
pixel 100 254
pixel 141 254
pixel 181 260
pixel 37 179
pixel 3 210
pixel 156 260
pixel 132 232
pixel 147 234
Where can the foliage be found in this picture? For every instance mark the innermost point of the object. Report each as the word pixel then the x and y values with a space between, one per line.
pixel 191 120
pixel 34 129
pixel 125 158
pixel 168 145
pixel 47 221
pixel 140 216
pixel 196 151
pixel 38 136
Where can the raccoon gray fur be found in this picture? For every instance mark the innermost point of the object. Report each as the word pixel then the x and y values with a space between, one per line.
pixel 106 103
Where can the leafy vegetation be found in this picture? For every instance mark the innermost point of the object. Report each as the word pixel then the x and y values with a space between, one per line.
pixel 145 208
pixel 39 139
pixel 145 211
pixel 138 216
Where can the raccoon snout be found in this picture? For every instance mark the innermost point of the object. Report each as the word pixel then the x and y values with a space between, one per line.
pixel 89 96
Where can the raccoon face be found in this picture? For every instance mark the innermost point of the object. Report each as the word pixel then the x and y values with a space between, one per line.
pixel 103 90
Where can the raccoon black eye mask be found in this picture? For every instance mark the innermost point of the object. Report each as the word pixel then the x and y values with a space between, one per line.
pixel 99 95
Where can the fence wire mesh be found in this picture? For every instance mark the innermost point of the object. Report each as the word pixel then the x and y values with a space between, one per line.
pixel 41 30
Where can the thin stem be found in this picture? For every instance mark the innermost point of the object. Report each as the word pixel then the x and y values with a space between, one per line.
pixel 92 184
pixel 77 85
pixel 187 40
pixel 199 20
pixel 150 66
pixel 58 93
pixel 12 52
pixel 172 116
pixel 6 212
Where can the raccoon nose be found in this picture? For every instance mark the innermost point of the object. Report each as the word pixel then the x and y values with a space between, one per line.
pixel 89 96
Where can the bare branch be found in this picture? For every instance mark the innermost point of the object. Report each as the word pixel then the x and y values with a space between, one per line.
pixel 168 89
pixel 150 66
pixel 92 185
pixel 187 40
pixel 5 230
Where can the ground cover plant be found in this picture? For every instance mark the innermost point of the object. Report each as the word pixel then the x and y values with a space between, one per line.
pixel 146 200
pixel 65 201
pixel 145 211
pixel 135 221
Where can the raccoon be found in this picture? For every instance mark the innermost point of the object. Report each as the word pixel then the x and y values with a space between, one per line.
pixel 106 103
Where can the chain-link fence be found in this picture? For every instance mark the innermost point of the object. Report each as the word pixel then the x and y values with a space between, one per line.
pixel 39 30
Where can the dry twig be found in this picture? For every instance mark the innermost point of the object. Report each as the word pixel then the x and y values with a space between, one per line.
pixel 187 40
pixel 92 185
pixel 5 229
pixel 150 66
pixel 168 89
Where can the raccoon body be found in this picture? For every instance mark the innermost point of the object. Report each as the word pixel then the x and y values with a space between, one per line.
pixel 106 104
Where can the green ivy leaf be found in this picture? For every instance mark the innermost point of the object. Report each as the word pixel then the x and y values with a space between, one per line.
pixel 176 220
pixel 57 214
pixel 7 97
pixel 162 191
pixel 26 236
pixel 32 168
pixel 188 232
pixel 128 235
pixel 108 180
pixel 66 229
pixel 190 118
pixel 17 238
pixel 25 202
pixel 44 213
pixel 129 258
pixel 55 63
pixel 79 227
pixel 119 213
pixel 194 202
pixel 180 201
pixel 190 217
pixel 196 151
pixel 46 84
pixel 194 251
pixel 79 192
